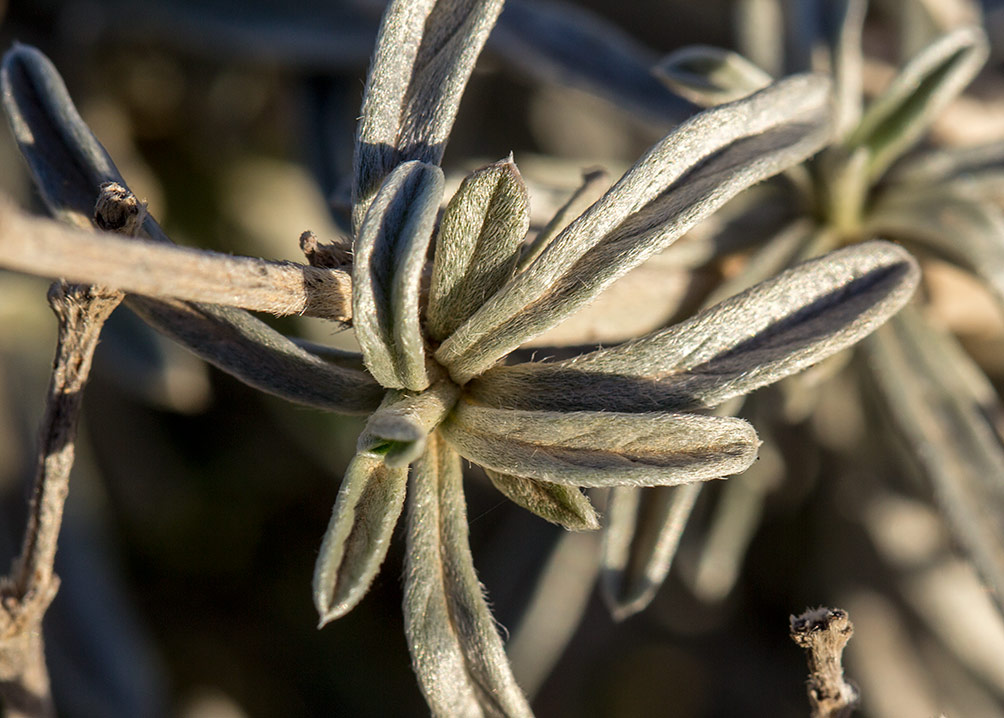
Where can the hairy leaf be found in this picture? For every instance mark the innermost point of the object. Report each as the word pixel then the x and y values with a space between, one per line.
pixel 848 62
pixel 774 329
pixel 709 76
pixel 902 114
pixel 601 448
pixel 946 410
pixel 677 183
pixel 397 431
pixel 258 355
pixel 390 253
pixel 564 505
pixel 640 542
pixel 455 648
pixel 424 55
pixel 949 222
pixel 978 169
pixel 479 242
pixel 355 544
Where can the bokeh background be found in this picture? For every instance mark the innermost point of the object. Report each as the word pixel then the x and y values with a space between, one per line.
pixel 198 504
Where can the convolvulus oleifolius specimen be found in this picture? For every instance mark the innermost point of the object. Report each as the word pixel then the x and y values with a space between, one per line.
pixel 434 339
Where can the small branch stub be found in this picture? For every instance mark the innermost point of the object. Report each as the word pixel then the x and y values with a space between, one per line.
pixel 823 633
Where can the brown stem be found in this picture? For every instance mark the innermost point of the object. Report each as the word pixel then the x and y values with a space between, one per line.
pixel 25 595
pixel 823 633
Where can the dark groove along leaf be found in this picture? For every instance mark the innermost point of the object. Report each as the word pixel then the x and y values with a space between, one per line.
pixel 564 505
pixel 397 431
pixel 645 526
pixel 478 245
pixel 768 332
pixel 259 356
pixel 390 251
pixel 601 448
pixel 902 114
pixel 681 180
pixel 455 648
pixel 358 535
pixel 945 409
pixel 709 76
pixel 949 222
pixel 424 55
pixel 69 164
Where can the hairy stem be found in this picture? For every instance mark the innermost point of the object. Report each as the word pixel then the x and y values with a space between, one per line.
pixel 823 633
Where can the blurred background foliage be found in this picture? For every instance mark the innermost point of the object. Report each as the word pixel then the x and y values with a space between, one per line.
pixel 197 504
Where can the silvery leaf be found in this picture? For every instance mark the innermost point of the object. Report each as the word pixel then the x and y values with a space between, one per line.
pixel 424 55
pixel 681 180
pixel 397 431
pixel 390 251
pixel 709 76
pixel 601 448
pixel 945 409
pixel 564 505
pixel 571 46
pixel 760 24
pixel 479 242
pixel 848 62
pixel 980 168
pixel 774 329
pixel 949 222
pixel 902 114
pixel 355 544
pixel 645 526
pixel 259 356
pixel 456 651
pixel 69 164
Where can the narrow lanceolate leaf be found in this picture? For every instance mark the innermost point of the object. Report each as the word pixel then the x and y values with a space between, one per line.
pixel 681 180
pixel 398 429
pixel 390 253
pixel 253 352
pixel 355 544
pixel 902 114
pixel 977 166
pixel 950 222
pixel 425 54
pixel 945 409
pixel 455 648
pixel 478 245
pixel 848 62
pixel 709 76
pixel 65 158
pixel 601 448
pixel 564 505
pixel 645 526
pixel 774 329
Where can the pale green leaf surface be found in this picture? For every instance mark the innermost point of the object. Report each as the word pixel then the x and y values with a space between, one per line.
pixel 456 651
pixel 681 180
pixel 564 505
pixel 645 526
pixel 478 245
pixel 948 420
pixel 397 431
pixel 425 53
pixel 358 535
pixel 390 252
pixel 709 76
pixel 770 331
pixel 601 448
pixel 902 114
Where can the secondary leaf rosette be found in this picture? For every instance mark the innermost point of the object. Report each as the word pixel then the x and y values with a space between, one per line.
pixel 434 339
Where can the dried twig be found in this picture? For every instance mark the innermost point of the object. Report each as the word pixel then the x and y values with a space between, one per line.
pixel 32 585
pixel 50 249
pixel 823 633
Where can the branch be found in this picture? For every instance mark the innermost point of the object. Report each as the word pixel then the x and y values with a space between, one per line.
pixel 46 248
pixel 823 633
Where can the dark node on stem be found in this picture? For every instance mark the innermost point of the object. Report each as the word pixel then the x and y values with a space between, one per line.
pixel 823 633
pixel 335 255
pixel 118 210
